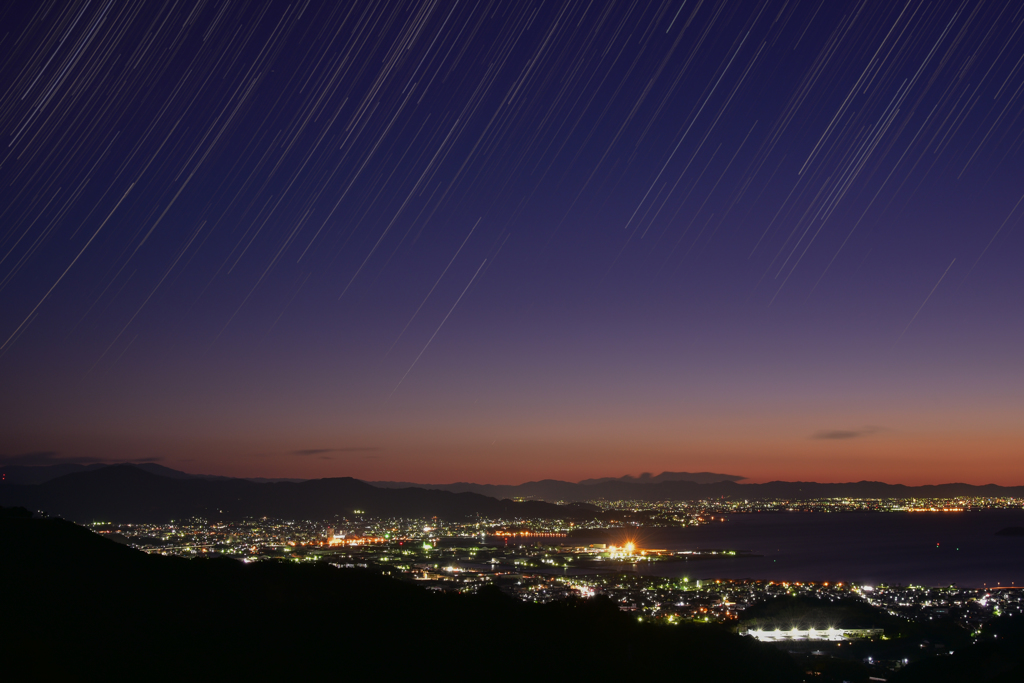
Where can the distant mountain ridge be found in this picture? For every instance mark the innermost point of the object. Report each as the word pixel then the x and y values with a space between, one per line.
pixel 39 474
pixel 647 478
pixel 624 489
pixel 555 489
pixel 135 493
pixel 128 493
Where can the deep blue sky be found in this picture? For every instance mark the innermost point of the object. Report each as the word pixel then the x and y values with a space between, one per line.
pixel 502 241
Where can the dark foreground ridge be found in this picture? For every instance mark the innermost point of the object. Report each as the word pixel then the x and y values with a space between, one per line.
pixel 126 493
pixel 78 606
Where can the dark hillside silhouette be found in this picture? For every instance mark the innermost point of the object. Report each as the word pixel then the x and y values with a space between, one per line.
pixel 79 606
pixel 998 657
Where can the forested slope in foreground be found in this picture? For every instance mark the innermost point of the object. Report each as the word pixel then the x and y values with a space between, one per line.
pixel 79 606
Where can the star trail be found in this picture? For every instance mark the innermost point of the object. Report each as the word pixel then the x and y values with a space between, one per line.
pixel 508 240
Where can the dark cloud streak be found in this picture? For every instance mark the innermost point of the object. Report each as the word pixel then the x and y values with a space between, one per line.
pixel 841 434
pixel 43 458
pixel 351 449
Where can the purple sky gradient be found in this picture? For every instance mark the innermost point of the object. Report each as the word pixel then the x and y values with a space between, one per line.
pixel 445 242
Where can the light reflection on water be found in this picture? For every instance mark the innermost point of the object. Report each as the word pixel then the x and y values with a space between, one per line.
pixel 923 548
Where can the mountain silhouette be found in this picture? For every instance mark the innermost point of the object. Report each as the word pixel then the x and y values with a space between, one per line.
pixel 127 493
pixel 671 489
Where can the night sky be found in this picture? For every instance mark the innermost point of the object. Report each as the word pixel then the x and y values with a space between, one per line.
pixel 498 241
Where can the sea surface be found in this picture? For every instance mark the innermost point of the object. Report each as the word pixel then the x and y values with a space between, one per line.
pixel 923 548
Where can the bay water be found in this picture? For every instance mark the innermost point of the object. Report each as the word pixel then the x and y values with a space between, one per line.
pixel 922 548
